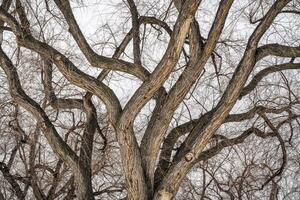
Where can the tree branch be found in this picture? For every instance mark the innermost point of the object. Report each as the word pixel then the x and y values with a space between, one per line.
pixel 265 72
pixel 277 50
pixel 164 68
pixel 195 143
pixel 66 67
pixel 95 59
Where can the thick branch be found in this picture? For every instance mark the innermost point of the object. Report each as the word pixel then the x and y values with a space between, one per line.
pixel 66 67
pixel 172 138
pixel 95 59
pixel 277 50
pixel 160 120
pixel 265 72
pixel 195 143
pixel 11 180
pixel 164 68
pixel 57 103
pixel 25 101
pixel 136 32
pixel 58 145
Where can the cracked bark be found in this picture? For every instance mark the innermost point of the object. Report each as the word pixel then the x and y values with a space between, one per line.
pixel 145 179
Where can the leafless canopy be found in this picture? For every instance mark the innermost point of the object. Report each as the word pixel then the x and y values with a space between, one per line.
pixel 149 99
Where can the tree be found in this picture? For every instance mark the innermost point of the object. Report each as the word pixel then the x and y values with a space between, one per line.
pixel 188 90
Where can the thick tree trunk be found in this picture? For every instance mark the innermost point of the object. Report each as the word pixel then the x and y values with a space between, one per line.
pixel 84 185
pixel 132 166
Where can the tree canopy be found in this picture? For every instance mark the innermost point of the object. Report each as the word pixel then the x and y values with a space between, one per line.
pixel 149 99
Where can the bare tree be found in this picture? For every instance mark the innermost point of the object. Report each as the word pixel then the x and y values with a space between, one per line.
pixel 183 99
